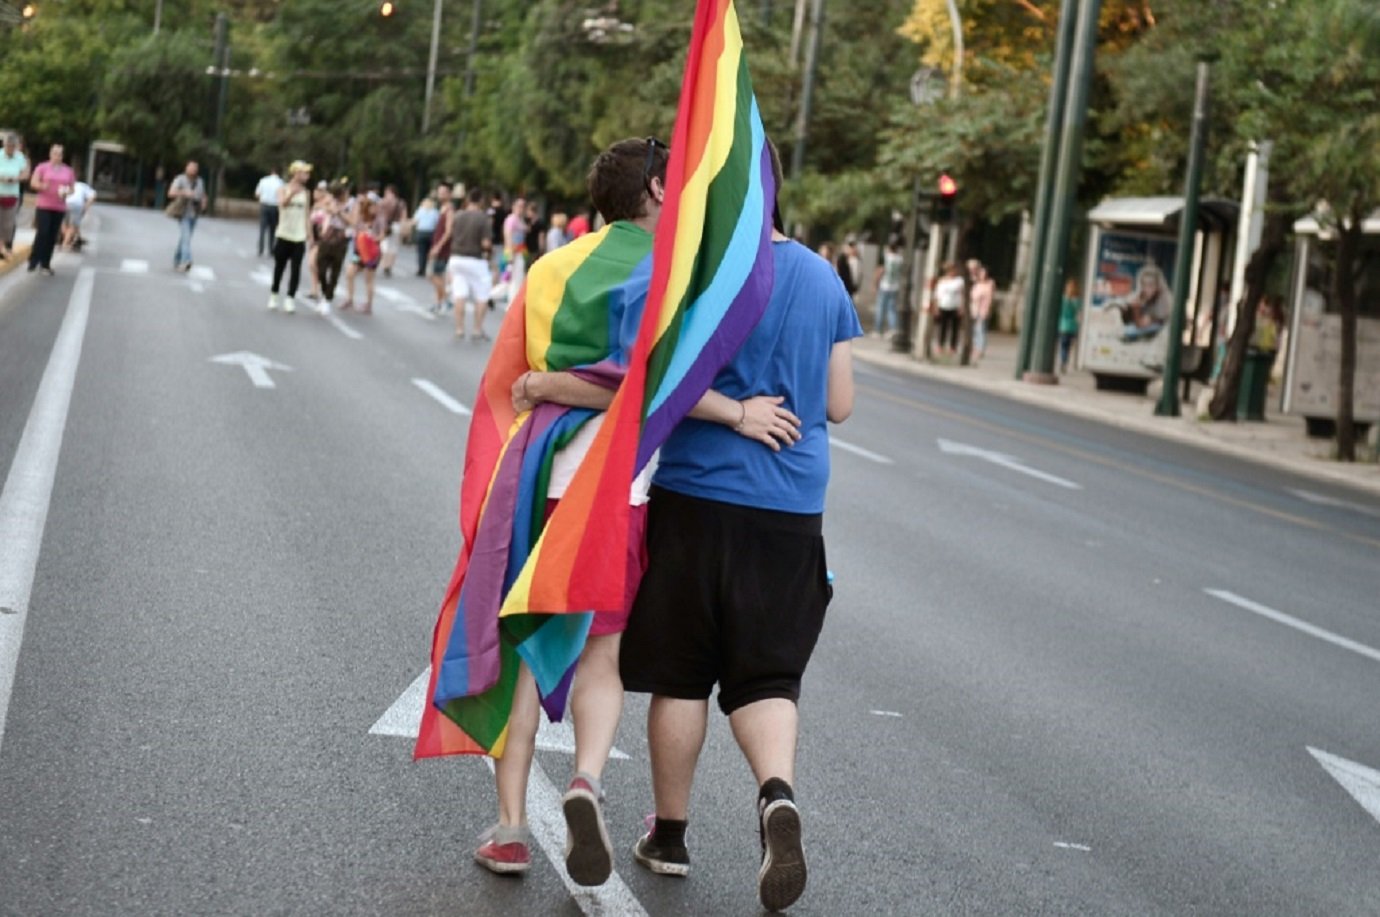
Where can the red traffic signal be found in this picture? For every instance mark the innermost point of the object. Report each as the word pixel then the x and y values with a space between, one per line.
pixel 947 186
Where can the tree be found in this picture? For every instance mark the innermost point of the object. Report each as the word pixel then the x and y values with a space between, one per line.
pixel 53 70
pixel 1336 132
pixel 154 97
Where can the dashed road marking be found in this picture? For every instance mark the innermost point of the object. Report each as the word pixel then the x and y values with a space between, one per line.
pixel 445 400
pixel 860 451
pixel 1280 617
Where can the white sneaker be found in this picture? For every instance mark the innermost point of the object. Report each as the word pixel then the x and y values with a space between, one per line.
pixel 324 308
pixel 288 307
pixel 273 302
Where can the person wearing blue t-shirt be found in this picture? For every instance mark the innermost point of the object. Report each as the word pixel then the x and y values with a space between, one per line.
pixel 736 587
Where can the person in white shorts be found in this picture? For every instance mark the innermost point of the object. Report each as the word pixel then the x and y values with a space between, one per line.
pixel 470 280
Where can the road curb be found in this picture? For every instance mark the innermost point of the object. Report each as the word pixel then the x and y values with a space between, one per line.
pixel 1178 429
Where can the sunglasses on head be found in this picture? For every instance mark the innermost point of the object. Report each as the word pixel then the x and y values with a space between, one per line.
pixel 653 145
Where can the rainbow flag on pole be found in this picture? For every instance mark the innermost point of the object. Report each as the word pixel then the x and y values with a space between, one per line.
pixel 710 279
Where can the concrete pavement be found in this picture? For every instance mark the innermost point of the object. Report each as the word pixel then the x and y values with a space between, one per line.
pixel 1279 441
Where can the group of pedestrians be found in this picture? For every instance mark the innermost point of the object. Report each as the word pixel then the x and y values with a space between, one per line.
pixel 476 250
pixel 327 230
pixel 733 580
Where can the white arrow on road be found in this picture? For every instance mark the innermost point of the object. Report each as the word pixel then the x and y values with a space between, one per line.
pixel 1361 782
pixel 404 719
pixel 1005 461
pixel 256 366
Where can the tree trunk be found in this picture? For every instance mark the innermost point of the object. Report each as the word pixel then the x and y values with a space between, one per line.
pixel 1223 405
pixel 1344 295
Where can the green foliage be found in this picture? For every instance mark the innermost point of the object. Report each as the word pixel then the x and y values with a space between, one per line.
pixel 53 70
pixel 155 99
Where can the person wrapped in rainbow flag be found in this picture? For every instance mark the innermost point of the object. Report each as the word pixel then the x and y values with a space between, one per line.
pixel 639 324
pixel 561 352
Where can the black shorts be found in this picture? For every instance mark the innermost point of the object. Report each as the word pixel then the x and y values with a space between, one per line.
pixel 732 595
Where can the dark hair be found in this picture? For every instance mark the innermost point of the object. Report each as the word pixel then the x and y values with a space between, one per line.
pixel 443 184
pixel 778 177
pixel 476 196
pixel 619 178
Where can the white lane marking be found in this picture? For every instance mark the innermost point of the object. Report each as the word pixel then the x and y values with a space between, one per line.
pixel 859 450
pixel 261 276
pixel 255 366
pixel 1311 630
pixel 195 287
pixel 561 737
pixel 201 272
pixel 404 719
pixel 406 304
pixel 1005 461
pixel 133 266
pixel 1063 845
pixel 883 713
pixel 435 391
pixel 29 487
pixel 1324 500
pixel 1363 783
pixel 546 821
pixel 342 327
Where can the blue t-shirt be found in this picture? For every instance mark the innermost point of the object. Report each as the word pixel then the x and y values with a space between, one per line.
pixel 786 354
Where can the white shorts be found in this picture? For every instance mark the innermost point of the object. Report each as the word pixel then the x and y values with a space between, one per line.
pixel 469 279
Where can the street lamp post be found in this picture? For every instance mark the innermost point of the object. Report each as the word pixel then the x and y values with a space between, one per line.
pixel 431 66
pixel 1188 227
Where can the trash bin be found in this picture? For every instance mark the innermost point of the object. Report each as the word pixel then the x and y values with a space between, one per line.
pixel 1255 385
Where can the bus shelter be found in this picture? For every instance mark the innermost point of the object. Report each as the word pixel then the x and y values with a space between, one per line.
pixel 1312 372
pixel 1128 288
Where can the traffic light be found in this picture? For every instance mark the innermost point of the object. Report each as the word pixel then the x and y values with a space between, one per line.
pixel 387 8
pixel 946 199
pixel 29 11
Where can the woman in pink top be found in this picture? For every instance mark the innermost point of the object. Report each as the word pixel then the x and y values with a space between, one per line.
pixel 980 305
pixel 53 180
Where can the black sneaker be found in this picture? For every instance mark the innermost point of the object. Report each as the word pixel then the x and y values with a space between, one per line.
pixel 781 880
pixel 663 859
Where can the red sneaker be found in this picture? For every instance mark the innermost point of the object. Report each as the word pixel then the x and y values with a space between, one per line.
pixel 504 851
pixel 588 853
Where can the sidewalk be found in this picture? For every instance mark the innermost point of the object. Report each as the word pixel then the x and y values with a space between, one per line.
pixel 23 242
pixel 1279 441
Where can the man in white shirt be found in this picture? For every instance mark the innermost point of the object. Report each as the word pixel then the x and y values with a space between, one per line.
pixel 267 193
pixel 78 203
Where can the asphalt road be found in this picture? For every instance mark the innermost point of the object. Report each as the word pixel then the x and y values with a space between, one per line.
pixel 1068 669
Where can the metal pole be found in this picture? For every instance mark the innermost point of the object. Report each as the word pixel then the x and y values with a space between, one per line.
pixel 157 16
pixel 1183 264
pixel 807 89
pixel 797 28
pixel 1065 194
pixel 956 87
pixel 476 19
pixel 222 55
pixel 1054 119
pixel 431 66
pixel 901 342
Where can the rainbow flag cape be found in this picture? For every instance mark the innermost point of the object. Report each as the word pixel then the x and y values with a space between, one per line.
pixel 709 282
pixel 576 311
